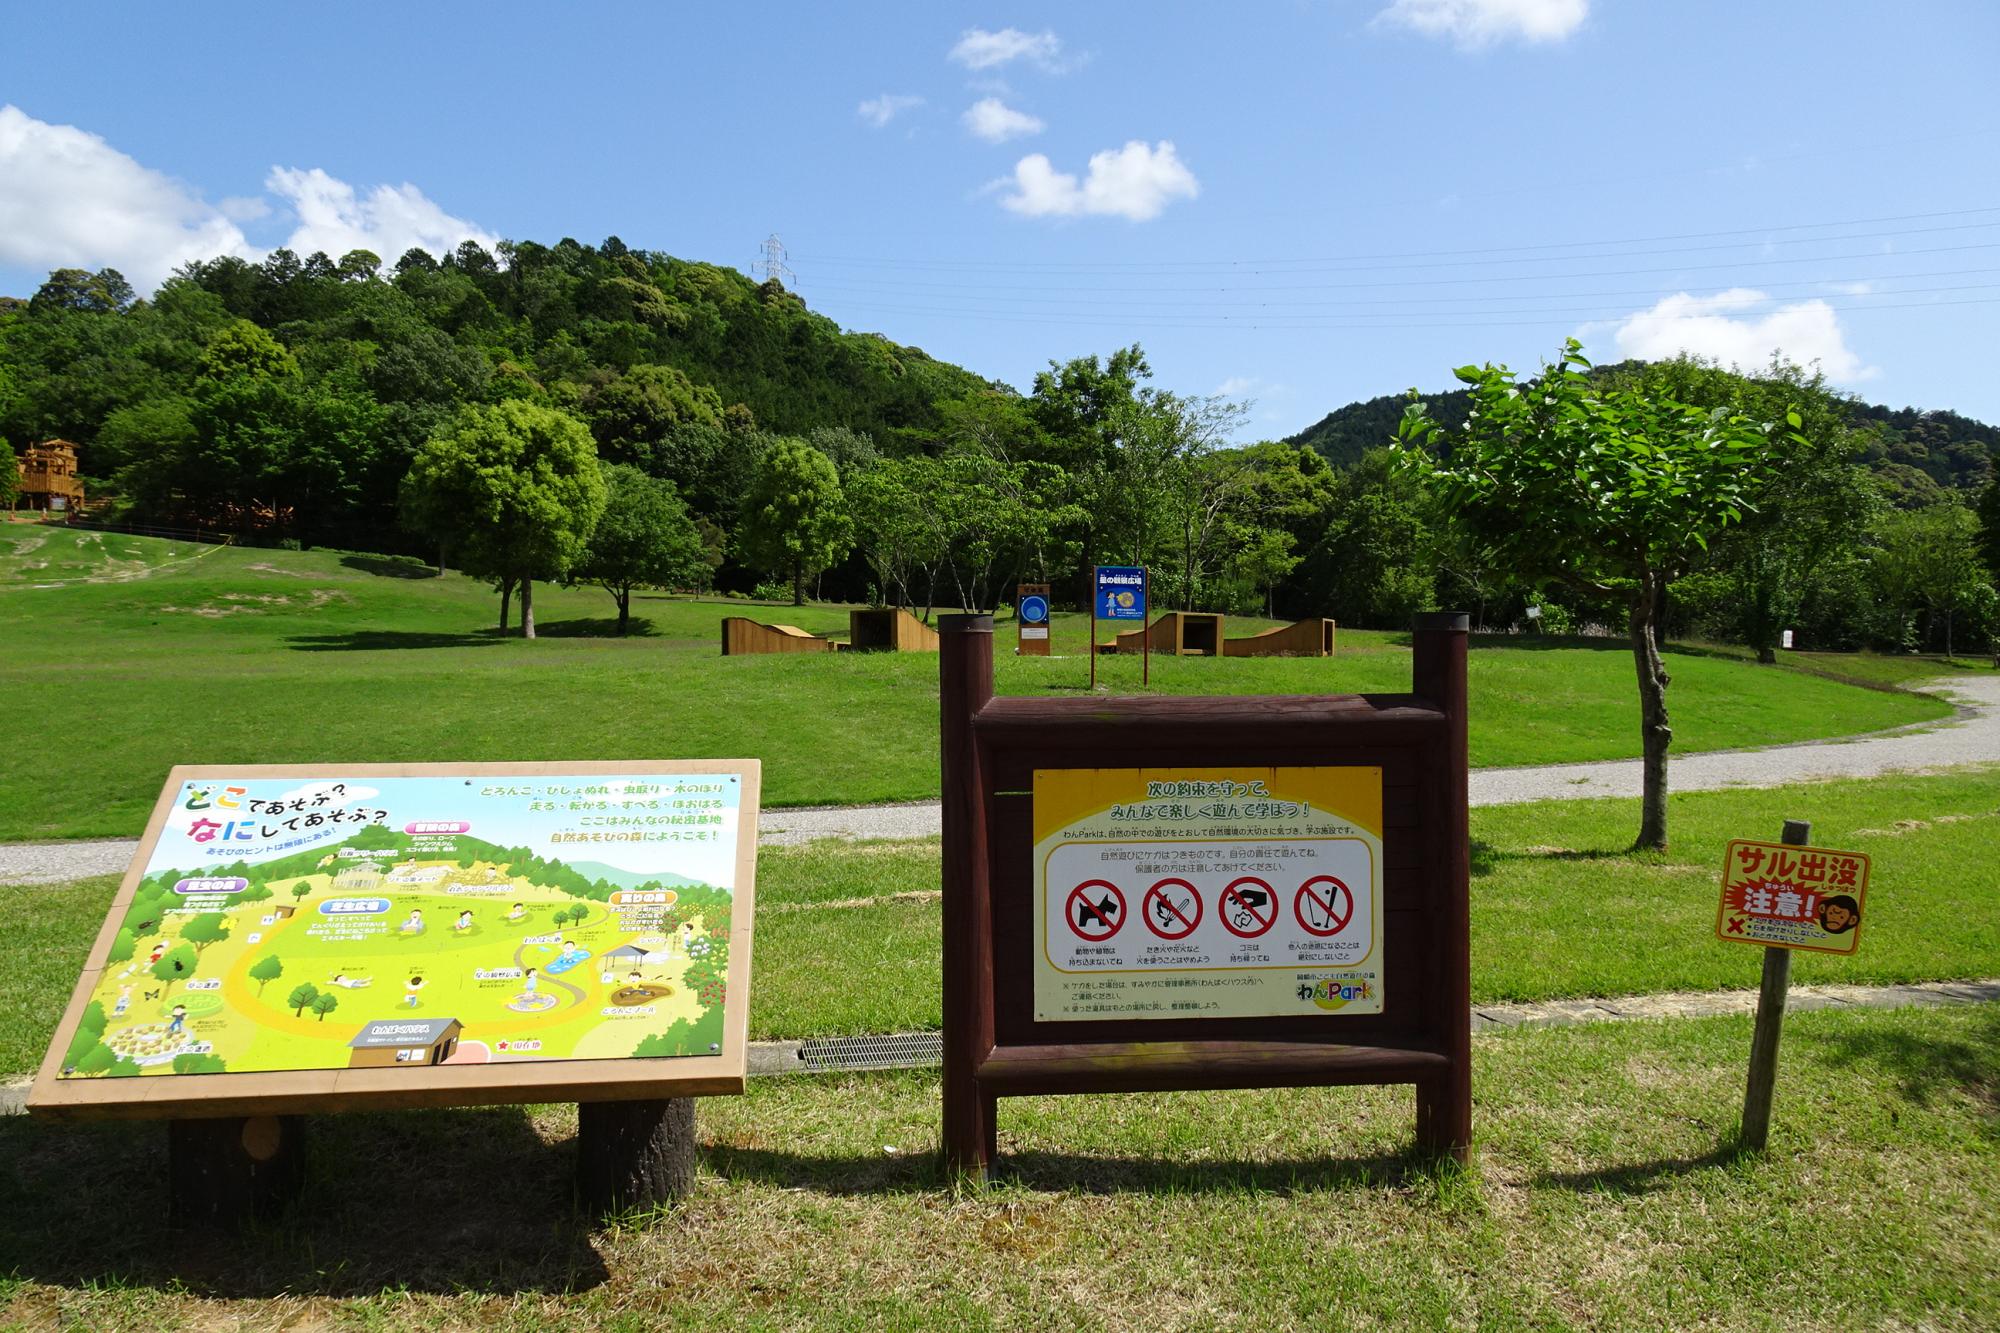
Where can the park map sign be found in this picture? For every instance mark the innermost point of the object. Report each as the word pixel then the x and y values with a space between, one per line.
pixel 469 931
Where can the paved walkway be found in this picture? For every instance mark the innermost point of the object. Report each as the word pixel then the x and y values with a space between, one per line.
pixel 1973 737
pixel 920 1050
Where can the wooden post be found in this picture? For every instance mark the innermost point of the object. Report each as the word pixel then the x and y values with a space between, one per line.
pixel 1437 675
pixel 234 1169
pixel 1094 588
pixel 634 1154
pixel 965 677
pixel 1771 997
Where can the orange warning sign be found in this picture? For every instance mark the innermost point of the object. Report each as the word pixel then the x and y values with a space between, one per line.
pixel 1792 897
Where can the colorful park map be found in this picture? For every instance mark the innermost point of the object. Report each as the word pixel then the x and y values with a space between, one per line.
pixel 309 924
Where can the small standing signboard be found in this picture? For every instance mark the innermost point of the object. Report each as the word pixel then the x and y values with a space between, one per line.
pixel 332 938
pixel 1120 595
pixel 1031 616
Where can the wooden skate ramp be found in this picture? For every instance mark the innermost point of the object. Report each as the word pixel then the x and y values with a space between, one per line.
pixel 741 635
pixel 1301 638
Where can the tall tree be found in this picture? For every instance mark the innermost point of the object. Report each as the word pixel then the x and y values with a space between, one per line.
pixel 644 539
pixel 514 486
pixel 1930 558
pixel 1609 489
pixel 795 515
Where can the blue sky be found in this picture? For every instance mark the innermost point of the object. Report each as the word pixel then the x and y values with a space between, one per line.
pixel 1297 204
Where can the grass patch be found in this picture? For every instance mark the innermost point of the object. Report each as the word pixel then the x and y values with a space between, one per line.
pixel 1604 1197
pixel 254 656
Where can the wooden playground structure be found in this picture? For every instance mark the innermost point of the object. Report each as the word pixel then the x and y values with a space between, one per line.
pixel 1301 638
pixel 742 635
pixel 1178 633
pixel 889 629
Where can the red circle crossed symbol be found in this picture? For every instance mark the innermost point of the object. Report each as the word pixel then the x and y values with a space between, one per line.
pixel 1322 912
pixel 1243 905
pixel 1095 921
pixel 1168 918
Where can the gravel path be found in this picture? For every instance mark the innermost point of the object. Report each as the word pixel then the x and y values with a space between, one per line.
pixel 1972 738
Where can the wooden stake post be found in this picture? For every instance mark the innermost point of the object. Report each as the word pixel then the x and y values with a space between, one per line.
pixel 999 1038
pixel 1772 995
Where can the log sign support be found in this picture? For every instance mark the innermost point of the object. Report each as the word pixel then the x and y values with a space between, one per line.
pixel 1163 893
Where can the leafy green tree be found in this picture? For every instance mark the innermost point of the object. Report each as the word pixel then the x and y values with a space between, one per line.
pixel 301 890
pixel 10 475
pixel 123 945
pixel 1988 511
pixel 1607 489
pixel 644 539
pixel 795 517
pixel 1930 558
pixel 514 486
pixel 188 1062
pixel 205 930
pixel 325 1003
pixel 265 971
pixel 176 964
pixel 97 1060
pixel 303 994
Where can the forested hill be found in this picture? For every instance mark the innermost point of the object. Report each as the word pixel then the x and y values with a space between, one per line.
pixel 369 358
pixel 1949 449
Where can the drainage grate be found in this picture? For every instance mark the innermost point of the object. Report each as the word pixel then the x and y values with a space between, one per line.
pixel 900 1050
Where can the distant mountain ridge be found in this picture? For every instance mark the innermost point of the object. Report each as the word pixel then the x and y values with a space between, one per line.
pixel 1952 450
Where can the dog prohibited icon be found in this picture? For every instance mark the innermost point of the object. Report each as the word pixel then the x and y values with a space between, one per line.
pixel 1247 907
pixel 1172 909
pixel 1324 905
pixel 1095 910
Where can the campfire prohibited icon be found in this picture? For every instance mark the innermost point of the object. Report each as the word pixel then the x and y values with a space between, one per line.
pixel 1095 909
pixel 1323 905
pixel 1247 907
pixel 1172 909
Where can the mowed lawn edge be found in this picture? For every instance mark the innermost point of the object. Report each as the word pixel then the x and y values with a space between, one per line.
pixel 253 656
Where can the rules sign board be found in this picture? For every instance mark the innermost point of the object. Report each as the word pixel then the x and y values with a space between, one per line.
pixel 1258 892
pixel 1790 897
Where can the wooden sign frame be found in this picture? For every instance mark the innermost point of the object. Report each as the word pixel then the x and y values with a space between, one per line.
pixel 584 1080
pixel 990 751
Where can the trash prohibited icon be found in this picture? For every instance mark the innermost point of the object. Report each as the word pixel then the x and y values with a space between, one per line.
pixel 1324 905
pixel 1172 909
pixel 1095 910
pixel 1247 907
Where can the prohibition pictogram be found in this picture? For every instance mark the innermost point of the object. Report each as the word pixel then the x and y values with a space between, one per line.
pixel 1172 909
pixel 1323 905
pixel 1095 921
pixel 1247 908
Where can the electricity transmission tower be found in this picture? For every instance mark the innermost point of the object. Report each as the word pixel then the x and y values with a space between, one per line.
pixel 772 264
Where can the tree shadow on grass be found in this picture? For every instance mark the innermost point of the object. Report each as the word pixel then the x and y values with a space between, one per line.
pixel 1927 1067
pixel 432 1201
pixel 390 566
pixel 1486 858
pixel 378 640
pixel 858 1174
pixel 605 627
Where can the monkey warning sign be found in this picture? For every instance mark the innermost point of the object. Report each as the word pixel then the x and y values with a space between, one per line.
pixel 1256 892
pixel 1790 897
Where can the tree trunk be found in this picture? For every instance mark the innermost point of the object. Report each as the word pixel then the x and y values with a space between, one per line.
pixel 1766 654
pixel 1654 733
pixel 506 599
pixel 798 585
pixel 527 608
pixel 624 596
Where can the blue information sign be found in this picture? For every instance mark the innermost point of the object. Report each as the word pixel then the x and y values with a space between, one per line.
pixel 1121 592
pixel 1034 610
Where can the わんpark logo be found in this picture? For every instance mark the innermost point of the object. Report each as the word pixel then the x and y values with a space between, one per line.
pixel 1334 992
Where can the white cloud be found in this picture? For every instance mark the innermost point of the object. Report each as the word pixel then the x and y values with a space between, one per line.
pixel 1135 182
pixel 1473 23
pixel 68 199
pixel 389 219
pixel 980 49
pixel 1236 386
pixel 1742 327
pixel 879 111
pixel 996 122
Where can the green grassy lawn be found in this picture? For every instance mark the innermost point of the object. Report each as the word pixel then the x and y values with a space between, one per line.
pixel 848 934
pixel 1604 1195
pixel 253 656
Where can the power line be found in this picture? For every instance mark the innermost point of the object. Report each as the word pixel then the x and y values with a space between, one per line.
pixel 771 263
